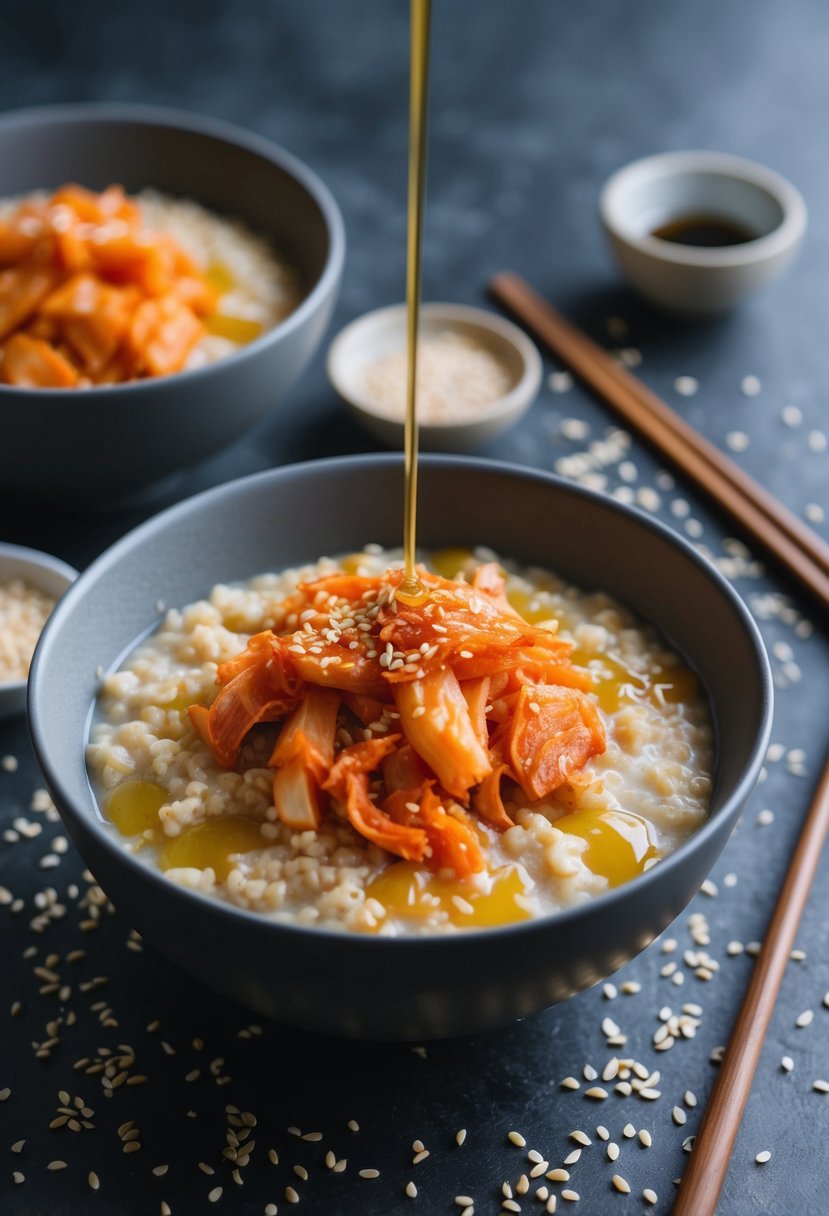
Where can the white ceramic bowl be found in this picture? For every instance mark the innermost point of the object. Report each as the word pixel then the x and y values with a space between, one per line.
pixel 688 279
pixel 45 573
pixel 383 332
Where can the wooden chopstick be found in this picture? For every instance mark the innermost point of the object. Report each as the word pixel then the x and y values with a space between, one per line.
pixel 704 1177
pixel 806 557
pixel 795 546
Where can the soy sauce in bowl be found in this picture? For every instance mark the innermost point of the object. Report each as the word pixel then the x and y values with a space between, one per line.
pixel 704 231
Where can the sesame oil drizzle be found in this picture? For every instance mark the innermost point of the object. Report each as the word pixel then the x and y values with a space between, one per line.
pixel 411 590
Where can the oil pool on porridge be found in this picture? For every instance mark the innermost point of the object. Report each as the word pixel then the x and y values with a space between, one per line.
pixel 312 748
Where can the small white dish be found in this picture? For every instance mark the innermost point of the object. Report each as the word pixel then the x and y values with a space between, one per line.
pixel 45 573
pixel 693 280
pixel 383 332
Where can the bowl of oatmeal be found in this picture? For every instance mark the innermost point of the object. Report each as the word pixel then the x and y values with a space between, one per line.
pixel 164 279
pixel 391 819
pixel 31 582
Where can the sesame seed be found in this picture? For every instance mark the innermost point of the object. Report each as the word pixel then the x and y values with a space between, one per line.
pixel 621 1184
pixel 763 1157
pixel 56 1165
pixel 463 1201
pixel 787 1063
pixel 460 1136
pixel 558 1175
pixel 613 1151
pixel 821 1087
pixel 571 1196
pixel 686 386
pixel 596 1092
pixel 369 1173
pixel 215 1195
pixel 411 1190
pixel 645 1138
pixel 628 1131
pixel 517 1139
pixel 580 1138
pixel 804 1019
pixel 750 386
pixel 649 1196
pixel 291 1195
pixel 572 1083
pixel 572 1157
pixel 93 1180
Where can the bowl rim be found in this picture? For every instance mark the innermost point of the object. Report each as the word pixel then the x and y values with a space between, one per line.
pixel 35 559
pixel 160 522
pixel 509 405
pixel 781 238
pixel 194 123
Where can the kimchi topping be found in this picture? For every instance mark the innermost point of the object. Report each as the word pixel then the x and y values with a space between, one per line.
pixel 405 718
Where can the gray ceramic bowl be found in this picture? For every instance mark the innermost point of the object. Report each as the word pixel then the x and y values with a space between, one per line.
pixel 104 442
pixel 377 987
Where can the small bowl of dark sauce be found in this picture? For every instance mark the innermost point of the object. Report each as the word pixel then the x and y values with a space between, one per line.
pixel 697 232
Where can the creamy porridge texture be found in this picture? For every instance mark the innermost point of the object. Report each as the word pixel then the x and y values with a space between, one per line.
pixel 638 788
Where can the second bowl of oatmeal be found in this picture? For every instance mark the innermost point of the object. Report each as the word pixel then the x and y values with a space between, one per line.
pixel 611 776
pixel 257 223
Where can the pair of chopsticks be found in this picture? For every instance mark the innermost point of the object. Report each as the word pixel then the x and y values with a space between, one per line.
pixel 806 558
pixel 772 525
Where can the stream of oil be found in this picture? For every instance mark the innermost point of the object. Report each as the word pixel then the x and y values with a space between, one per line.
pixel 411 590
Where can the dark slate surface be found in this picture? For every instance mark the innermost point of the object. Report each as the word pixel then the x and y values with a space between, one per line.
pixel 534 104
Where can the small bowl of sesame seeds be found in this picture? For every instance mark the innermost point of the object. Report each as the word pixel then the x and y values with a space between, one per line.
pixel 477 375
pixel 31 582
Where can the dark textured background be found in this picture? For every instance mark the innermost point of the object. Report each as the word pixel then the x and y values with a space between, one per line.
pixel 534 103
